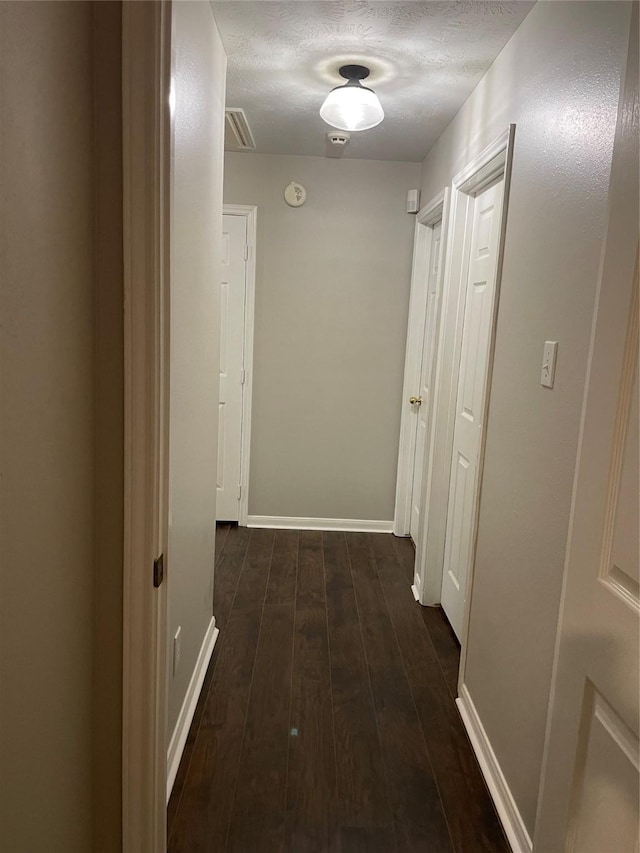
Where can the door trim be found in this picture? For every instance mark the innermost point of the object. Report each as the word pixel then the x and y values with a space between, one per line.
pixel 146 49
pixel 426 218
pixel 493 161
pixel 250 212
pixel 497 162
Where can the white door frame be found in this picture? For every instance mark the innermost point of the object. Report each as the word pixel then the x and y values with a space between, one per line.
pixel 250 212
pixel 426 218
pixel 492 162
pixel 146 44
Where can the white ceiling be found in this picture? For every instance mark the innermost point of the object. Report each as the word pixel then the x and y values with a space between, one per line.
pixel 425 59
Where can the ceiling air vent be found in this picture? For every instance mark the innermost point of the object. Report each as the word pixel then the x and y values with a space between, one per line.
pixel 237 134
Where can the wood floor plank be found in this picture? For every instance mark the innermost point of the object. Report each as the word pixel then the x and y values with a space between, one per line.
pixel 472 820
pixel 222 530
pixel 227 572
pixel 446 645
pixel 311 824
pixel 418 814
pixel 227 569
pixel 255 571
pixel 364 812
pixel 284 568
pixel 442 636
pixel 258 817
pixel 202 819
pixel 407 556
pixel 203 815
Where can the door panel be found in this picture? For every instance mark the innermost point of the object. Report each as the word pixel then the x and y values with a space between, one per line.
pixel 232 313
pixel 604 813
pixel 462 482
pixel 621 565
pixel 424 413
pixel 472 362
pixel 484 245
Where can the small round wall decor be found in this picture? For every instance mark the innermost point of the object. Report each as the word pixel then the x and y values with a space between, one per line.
pixel 295 194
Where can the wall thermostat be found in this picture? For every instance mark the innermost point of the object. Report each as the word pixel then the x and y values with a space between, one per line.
pixel 295 194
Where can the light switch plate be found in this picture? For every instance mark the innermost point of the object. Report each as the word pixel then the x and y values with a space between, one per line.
pixel 548 373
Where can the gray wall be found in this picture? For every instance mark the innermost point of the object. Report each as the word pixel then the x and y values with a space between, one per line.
pixel 558 79
pixel 332 295
pixel 61 386
pixel 199 65
pixel 109 427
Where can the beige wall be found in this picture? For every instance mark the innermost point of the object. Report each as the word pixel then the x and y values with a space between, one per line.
pixel 558 79
pixel 332 296
pixel 109 426
pixel 60 427
pixel 199 64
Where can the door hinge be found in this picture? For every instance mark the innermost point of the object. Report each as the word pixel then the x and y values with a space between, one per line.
pixel 246 253
pixel 158 571
pixel 243 376
pixel 239 491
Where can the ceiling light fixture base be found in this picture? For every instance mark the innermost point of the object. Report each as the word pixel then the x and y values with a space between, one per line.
pixel 354 72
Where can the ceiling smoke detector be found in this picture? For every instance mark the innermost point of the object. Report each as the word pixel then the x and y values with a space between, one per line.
pixel 338 138
pixel 337 141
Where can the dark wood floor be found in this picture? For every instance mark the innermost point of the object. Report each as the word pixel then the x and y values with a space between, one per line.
pixel 327 718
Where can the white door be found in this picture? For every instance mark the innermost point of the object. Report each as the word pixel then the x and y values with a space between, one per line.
pixel 424 404
pixel 590 788
pixel 484 245
pixel 232 316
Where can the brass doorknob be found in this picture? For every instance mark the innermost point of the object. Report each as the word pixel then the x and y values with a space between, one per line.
pixel 415 401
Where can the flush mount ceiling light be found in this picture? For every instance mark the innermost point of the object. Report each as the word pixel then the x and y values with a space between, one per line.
pixel 352 106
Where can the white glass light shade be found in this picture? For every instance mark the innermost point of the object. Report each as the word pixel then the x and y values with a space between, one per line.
pixel 352 108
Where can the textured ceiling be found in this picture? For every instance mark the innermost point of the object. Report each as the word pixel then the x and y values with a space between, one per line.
pixel 425 59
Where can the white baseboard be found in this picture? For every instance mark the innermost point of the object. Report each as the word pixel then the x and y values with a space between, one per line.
pixel 510 817
pixel 179 736
pixel 400 530
pixel 416 587
pixel 354 525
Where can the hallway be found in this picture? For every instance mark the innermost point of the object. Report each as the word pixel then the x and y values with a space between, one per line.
pixel 327 718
